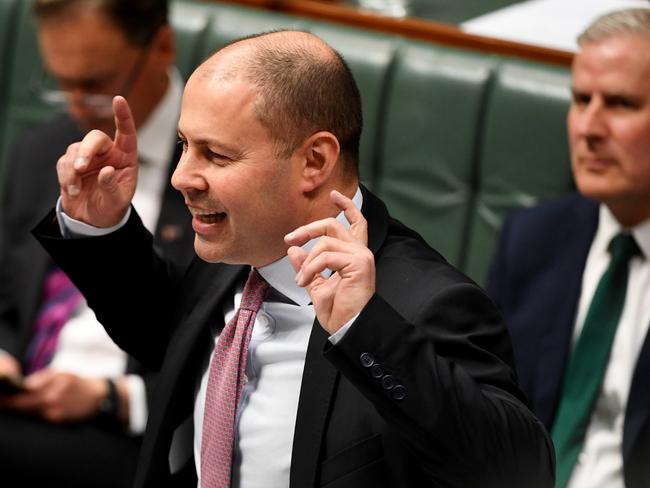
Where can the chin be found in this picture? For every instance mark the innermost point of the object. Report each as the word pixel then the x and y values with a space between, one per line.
pixel 207 252
pixel 600 192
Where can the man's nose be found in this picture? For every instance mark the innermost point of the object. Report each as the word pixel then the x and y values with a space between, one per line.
pixel 592 120
pixel 76 107
pixel 187 175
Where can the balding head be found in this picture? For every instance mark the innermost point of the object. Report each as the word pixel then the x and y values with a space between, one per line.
pixel 303 85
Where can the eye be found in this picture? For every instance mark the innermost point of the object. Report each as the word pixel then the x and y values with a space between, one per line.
pixel 217 158
pixel 581 98
pixel 619 101
pixel 182 142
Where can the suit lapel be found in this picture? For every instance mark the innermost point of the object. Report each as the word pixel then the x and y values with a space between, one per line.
pixel 320 378
pixel 175 391
pixel 577 233
pixel 638 402
pixel 174 232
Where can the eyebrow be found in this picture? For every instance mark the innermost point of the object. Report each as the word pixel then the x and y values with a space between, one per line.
pixel 234 153
pixel 88 80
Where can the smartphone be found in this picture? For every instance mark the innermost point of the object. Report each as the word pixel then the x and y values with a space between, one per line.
pixel 10 384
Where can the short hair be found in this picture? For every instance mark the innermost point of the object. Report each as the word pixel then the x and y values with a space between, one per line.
pixel 303 90
pixel 632 21
pixel 139 20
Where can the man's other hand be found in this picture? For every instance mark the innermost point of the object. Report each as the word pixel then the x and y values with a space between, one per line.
pixel 340 297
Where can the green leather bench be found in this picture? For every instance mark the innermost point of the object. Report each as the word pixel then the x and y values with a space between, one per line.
pixel 453 139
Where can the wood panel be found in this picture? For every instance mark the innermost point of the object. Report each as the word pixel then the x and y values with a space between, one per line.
pixel 411 27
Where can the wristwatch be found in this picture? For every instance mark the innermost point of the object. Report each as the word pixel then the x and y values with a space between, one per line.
pixel 109 406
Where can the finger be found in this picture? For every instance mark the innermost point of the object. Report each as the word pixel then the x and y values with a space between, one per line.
pixel 38 380
pixel 326 227
pixel 125 132
pixel 358 223
pixel 297 256
pixel 107 179
pixel 329 260
pixel 26 402
pixel 326 244
pixel 69 179
pixel 94 145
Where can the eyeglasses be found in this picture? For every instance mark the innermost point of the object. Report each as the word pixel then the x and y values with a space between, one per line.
pixel 101 105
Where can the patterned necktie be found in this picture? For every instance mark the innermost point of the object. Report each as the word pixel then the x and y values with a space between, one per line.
pixel 225 382
pixel 59 300
pixel 589 358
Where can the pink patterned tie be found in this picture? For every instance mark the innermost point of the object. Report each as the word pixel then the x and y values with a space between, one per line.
pixel 225 382
pixel 59 300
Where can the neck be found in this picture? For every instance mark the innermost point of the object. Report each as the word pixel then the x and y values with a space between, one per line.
pixel 629 215
pixel 321 204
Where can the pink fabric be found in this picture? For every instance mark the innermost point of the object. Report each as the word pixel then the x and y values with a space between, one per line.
pixel 225 382
pixel 60 299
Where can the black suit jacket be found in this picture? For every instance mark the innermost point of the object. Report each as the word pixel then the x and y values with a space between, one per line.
pixel 461 422
pixel 30 188
pixel 536 280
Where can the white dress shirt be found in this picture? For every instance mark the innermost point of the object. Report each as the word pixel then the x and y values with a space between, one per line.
pixel 269 401
pixel 600 464
pixel 84 347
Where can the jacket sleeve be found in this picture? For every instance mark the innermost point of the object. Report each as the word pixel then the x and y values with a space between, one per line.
pixel 128 286
pixel 442 380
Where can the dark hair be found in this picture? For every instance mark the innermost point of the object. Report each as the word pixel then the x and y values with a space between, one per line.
pixel 303 90
pixel 139 20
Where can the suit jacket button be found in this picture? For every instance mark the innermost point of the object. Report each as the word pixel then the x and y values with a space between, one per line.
pixel 377 371
pixel 388 382
pixel 399 392
pixel 367 359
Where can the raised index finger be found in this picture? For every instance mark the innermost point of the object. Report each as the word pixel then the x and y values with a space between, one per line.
pixel 358 223
pixel 125 133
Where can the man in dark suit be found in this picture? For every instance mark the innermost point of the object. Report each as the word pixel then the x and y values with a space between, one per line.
pixel 372 361
pixel 82 412
pixel 546 276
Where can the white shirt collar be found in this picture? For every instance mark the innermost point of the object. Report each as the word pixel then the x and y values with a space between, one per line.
pixel 608 227
pixel 155 145
pixel 280 274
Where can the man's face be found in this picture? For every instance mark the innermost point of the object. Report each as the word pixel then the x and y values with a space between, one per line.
pixel 609 125
pixel 88 55
pixel 242 198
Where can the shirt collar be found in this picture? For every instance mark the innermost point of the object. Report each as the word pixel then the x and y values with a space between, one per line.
pixel 280 274
pixel 608 227
pixel 155 145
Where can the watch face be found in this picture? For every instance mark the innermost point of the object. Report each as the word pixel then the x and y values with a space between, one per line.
pixel 109 404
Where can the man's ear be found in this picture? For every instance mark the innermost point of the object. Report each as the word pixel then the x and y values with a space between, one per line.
pixel 163 46
pixel 321 158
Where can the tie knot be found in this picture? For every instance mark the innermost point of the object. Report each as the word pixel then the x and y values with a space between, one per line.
pixel 255 291
pixel 623 247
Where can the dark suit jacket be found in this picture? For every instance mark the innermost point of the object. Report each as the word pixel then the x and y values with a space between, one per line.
pixel 30 188
pixel 461 422
pixel 536 279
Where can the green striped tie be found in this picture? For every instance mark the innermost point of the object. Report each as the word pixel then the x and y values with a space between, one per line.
pixel 588 361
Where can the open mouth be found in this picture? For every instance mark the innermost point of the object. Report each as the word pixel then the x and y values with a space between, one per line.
pixel 207 217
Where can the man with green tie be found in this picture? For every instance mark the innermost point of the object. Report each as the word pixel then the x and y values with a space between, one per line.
pixel 572 276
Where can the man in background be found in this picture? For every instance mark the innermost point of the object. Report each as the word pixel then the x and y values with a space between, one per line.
pixel 572 277
pixel 83 405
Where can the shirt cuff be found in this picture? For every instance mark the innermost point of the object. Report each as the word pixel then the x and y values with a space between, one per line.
pixel 71 228
pixel 138 410
pixel 338 335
